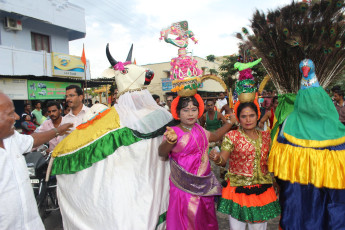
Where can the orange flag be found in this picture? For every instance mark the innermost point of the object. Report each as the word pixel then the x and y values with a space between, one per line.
pixel 83 58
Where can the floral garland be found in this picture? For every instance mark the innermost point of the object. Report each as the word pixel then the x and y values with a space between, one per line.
pixel 184 66
pixel 121 65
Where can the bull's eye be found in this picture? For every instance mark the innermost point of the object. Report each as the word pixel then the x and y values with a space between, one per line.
pixel 125 71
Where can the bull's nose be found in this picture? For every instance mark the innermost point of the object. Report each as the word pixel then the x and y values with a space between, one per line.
pixel 149 76
pixel 149 72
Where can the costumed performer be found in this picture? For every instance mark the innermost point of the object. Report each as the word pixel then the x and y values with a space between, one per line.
pixel 108 170
pixel 308 157
pixel 249 198
pixel 192 184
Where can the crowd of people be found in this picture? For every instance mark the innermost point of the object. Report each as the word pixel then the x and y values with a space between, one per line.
pixel 188 145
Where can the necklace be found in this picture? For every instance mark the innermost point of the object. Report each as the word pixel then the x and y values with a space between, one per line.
pixel 251 136
pixel 202 146
pixel 187 128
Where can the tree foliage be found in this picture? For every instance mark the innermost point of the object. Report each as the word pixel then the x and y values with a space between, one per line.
pixel 211 58
pixel 229 72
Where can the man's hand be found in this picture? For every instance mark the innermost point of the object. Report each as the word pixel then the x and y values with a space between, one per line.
pixel 65 128
pixel 43 137
pixel 261 125
pixel 233 119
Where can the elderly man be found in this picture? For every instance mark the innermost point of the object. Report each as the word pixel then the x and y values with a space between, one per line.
pixel 18 206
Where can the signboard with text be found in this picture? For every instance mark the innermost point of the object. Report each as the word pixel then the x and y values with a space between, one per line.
pixel 16 89
pixel 67 65
pixel 43 90
pixel 166 84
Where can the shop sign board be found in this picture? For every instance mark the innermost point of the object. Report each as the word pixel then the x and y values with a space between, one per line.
pixel 16 89
pixel 65 65
pixel 43 90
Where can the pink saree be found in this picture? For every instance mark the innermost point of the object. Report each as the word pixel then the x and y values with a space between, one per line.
pixel 186 210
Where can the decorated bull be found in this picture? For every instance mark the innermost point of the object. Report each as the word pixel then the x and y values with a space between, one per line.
pixel 108 170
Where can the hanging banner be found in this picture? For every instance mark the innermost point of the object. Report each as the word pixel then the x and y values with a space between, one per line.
pixel 65 65
pixel 43 90
pixel 16 89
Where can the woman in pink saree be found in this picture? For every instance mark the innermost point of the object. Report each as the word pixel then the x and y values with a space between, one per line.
pixel 192 183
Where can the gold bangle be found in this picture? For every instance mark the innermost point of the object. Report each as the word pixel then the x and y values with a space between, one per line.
pixel 172 143
pixel 220 160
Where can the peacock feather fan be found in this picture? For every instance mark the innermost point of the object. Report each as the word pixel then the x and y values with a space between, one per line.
pixel 284 36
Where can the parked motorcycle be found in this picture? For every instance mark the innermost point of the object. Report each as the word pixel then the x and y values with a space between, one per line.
pixel 44 190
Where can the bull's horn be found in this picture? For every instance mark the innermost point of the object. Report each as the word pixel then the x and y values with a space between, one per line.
pixel 129 56
pixel 112 61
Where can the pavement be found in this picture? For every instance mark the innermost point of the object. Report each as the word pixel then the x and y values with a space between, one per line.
pixel 54 222
pixel 223 222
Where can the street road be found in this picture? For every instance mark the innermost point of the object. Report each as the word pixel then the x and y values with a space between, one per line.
pixel 54 222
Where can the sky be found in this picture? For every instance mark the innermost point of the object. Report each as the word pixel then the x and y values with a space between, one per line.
pixel 121 23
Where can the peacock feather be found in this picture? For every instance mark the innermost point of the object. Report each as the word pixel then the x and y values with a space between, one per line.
pixel 283 37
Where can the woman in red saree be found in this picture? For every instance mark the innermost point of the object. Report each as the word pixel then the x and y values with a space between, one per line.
pixel 249 199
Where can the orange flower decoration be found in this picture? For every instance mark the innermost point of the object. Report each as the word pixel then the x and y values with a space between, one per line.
pixel 177 99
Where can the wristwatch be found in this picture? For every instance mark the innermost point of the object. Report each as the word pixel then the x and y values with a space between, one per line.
pixel 56 132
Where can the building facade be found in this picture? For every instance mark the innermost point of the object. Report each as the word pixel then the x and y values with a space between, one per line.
pixel 34 47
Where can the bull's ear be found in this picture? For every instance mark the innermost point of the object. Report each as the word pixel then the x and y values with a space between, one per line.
pixel 112 61
pixel 148 76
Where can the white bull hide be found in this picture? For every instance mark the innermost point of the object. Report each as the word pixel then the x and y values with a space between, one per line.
pixel 129 189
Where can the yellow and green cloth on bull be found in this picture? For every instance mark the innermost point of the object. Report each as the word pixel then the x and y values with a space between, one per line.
pixel 94 141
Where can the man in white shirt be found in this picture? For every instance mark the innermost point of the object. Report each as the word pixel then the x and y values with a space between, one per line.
pixel 221 102
pixel 18 206
pixel 74 100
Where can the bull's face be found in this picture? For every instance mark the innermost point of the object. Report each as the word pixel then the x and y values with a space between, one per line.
pixel 129 76
pixel 132 77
